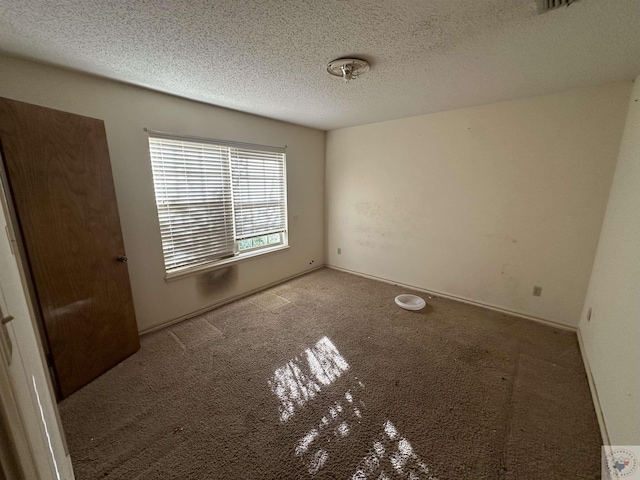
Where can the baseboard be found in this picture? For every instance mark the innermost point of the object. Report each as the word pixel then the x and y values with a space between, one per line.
pixel 224 302
pixel 460 299
pixel 594 392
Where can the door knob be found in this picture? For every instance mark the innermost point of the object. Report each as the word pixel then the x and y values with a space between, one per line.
pixel 121 259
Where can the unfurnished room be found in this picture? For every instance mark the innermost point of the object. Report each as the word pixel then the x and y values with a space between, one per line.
pixel 344 239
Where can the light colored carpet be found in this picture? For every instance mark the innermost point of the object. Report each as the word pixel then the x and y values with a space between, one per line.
pixel 325 377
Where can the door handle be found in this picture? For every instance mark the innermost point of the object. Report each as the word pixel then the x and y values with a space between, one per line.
pixel 121 259
pixel 6 319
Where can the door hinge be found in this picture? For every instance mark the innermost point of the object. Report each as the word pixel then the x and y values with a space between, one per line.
pixel 52 371
pixel 48 357
pixel 4 336
pixel 11 240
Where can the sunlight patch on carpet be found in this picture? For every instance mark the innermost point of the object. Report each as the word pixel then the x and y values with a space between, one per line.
pixel 392 459
pixel 302 377
pixel 300 380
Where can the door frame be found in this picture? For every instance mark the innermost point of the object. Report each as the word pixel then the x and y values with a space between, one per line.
pixel 20 461
pixel 16 459
pixel 28 285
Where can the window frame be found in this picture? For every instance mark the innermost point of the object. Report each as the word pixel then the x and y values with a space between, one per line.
pixel 238 255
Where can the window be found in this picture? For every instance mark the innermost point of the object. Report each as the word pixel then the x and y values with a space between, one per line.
pixel 217 201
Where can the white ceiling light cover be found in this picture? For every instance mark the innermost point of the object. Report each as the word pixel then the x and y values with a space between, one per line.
pixel 348 68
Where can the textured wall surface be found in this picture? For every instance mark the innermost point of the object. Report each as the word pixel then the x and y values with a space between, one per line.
pixel 126 111
pixel 481 203
pixel 269 57
pixel 612 336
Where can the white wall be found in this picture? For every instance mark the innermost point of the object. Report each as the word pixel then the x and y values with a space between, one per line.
pixel 481 203
pixel 126 110
pixel 611 339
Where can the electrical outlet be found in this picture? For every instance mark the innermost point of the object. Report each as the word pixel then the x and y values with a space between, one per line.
pixel 537 291
pixel 339 251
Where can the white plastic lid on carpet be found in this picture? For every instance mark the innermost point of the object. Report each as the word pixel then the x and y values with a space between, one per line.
pixel 410 302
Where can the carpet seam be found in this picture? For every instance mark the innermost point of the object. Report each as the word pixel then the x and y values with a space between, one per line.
pixel 516 372
pixel 175 337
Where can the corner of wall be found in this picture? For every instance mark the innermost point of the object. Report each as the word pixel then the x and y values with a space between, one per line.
pixel 608 330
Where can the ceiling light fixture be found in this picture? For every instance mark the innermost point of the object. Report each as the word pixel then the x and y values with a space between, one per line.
pixel 348 68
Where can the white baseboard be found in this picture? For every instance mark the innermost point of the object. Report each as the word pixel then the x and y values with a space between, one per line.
pixel 489 306
pixel 224 302
pixel 594 393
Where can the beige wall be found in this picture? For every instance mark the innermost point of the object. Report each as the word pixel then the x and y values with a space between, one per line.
pixel 611 339
pixel 126 110
pixel 480 203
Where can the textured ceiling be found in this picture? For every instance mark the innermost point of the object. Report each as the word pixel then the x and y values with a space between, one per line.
pixel 269 57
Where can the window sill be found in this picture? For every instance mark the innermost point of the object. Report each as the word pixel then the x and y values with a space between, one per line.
pixel 187 272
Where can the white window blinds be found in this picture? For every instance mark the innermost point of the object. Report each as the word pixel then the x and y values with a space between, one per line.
pixel 259 192
pixel 212 194
pixel 193 196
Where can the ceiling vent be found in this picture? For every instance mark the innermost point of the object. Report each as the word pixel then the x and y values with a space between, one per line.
pixel 547 5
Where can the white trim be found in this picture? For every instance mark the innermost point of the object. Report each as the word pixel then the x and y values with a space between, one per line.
pixel 594 393
pixel 168 323
pixel 30 463
pixel 19 458
pixel 489 306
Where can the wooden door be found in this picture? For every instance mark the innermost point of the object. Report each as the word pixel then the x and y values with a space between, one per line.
pixel 59 177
